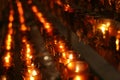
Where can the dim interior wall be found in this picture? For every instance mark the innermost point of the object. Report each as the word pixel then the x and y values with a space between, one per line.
pixel 3 4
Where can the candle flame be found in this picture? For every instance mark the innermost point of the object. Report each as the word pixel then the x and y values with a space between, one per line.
pixel 71 56
pixel 117 44
pixel 7 60
pixel 77 69
pixel 23 27
pixel 77 78
pixel 8 42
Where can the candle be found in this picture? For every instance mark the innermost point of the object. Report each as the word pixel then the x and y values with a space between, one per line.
pixel 76 70
pixel 77 66
pixel 7 59
pixel 117 41
pixel 61 46
pixel 8 42
pixel 104 28
pixel 80 77
pixel 32 73
pixel 117 44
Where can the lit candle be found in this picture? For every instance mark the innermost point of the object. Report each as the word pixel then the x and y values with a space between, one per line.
pixel 8 42
pixel 61 46
pixel 77 70
pixel 32 73
pixel 117 41
pixel 104 28
pixel 7 60
pixel 77 67
pixel 80 77
pixel 48 28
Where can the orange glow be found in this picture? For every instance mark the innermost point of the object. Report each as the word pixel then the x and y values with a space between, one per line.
pixel 78 77
pixel 59 2
pixel 7 60
pixel 8 42
pixel 10 31
pixel 4 77
pixel 22 19
pixel 77 67
pixel 23 27
pixel 11 18
pixel 29 1
pixel 24 40
pixel 39 15
pixel 19 4
pixel 103 29
pixel 71 56
pixel 117 44
pixel 117 40
pixel 32 73
pixel 20 10
pixel 64 55
pixel 28 48
pixel 10 25
pixel 12 12
pixel 34 9
pixel 67 7
pixel 42 20
pixel 47 25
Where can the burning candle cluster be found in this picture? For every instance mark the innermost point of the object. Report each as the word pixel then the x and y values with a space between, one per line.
pixel 104 28
pixel 72 67
pixel 31 72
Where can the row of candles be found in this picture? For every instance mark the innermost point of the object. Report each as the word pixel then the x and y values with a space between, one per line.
pixel 31 72
pixel 7 60
pixel 73 68
pixel 7 57
pixel 103 27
